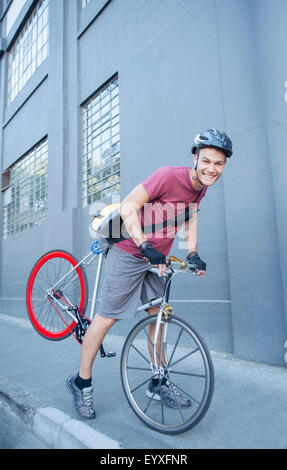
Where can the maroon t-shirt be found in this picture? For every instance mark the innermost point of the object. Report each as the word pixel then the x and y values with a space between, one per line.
pixel 170 193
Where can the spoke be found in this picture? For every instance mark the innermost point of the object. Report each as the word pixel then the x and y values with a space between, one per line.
pixel 178 407
pixel 203 376
pixel 184 357
pixel 184 392
pixel 42 277
pixel 140 353
pixel 59 270
pixel 162 413
pixel 62 298
pixel 70 282
pixel 175 346
pixel 39 290
pixel 138 368
pixel 140 385
pixel 149 402
pixel 42 312
pixel 41 301
pixel 61 264
pixel 48 271
pixel 68 326
pixel 69 271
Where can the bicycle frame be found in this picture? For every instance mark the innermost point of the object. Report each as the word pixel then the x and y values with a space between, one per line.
pixel 165 309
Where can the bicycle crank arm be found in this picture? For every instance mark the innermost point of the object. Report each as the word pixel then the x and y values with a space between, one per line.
pixel 104 354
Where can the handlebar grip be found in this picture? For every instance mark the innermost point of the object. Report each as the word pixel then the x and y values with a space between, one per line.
pixel 147 260
pixel 193 267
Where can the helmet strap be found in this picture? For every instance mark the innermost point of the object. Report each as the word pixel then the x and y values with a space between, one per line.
pixel 197 156
pixel 195 178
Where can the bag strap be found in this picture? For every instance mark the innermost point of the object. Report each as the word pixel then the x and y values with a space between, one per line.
pixel 188 213
pixel 184 217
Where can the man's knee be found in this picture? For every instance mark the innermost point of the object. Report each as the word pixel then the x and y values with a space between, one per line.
pixel 153 310
pixel 105 321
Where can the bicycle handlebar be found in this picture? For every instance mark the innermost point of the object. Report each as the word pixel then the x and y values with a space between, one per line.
pixel 173 261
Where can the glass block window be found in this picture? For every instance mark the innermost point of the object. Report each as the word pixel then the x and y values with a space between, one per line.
pixel 85 3
pixel 101 144
pixel 30 49
pixel 25 199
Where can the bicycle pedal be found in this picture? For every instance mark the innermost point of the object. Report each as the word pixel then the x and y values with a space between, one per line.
pixel 111 354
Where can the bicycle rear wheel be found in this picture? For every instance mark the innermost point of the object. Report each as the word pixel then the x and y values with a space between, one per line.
pixel 186 364
pixel 47 309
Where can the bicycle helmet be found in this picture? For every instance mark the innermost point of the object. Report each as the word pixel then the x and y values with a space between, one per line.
pixel 213 138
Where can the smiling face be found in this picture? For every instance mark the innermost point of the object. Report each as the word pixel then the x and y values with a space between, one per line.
pixel 210 165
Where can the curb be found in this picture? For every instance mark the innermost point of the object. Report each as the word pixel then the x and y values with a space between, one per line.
pixel 53 427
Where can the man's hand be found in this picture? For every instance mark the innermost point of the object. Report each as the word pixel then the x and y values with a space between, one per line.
pixel 154 257
pixel 194 262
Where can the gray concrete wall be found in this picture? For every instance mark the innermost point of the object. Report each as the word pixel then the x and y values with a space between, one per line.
pixel 255 280
pixel 273 71
pixel 183 66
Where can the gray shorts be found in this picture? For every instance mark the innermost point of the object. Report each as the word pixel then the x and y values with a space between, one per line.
pixel 126 282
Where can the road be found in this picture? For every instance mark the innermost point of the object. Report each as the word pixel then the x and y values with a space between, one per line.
pixel 248 410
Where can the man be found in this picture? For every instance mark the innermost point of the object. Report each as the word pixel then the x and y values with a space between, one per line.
pixel 127 277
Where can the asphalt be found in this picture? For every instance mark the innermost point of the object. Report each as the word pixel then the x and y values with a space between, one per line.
pixel 248 410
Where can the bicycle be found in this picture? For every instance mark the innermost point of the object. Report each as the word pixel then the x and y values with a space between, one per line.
pixel 57 297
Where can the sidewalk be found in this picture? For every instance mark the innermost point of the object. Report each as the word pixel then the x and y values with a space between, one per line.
pixel 248 410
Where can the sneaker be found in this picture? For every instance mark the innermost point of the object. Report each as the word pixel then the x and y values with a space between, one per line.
pixel 168 393
pixel 83 399
pixel 153 390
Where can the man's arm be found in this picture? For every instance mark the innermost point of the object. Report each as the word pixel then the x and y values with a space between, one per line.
pixel 190 237
pixel 129 211
pixel 190 233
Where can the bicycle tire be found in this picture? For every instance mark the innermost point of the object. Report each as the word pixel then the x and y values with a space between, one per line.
pixel 46 319
pixel 137 403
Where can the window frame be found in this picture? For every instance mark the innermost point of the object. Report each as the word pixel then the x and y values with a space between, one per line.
pixel 24 189
pixel 100 149
pixel 29 50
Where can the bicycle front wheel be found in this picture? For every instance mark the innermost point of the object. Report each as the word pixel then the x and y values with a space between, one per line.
pixel 47 305
pixel 185 367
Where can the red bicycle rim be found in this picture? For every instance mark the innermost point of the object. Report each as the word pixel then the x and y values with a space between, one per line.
pixel 37 325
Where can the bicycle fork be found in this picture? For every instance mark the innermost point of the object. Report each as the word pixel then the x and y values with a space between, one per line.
pixel 160 363
pixel 159 359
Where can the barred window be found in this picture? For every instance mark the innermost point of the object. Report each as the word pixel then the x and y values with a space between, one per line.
pixel 25 197
pixel 85 3
pixel 30 49
pixel 101 144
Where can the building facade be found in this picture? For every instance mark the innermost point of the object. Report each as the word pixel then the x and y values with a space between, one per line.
pixel 95 95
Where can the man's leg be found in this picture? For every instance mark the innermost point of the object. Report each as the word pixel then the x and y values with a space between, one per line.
pixel 153 311
pixel 80 385
pixel 92 342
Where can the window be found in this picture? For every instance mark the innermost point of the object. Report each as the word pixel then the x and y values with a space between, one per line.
pixel 85 3
pixel 25 191
pixel 101 144
pixel 14 9
pixel 29 50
